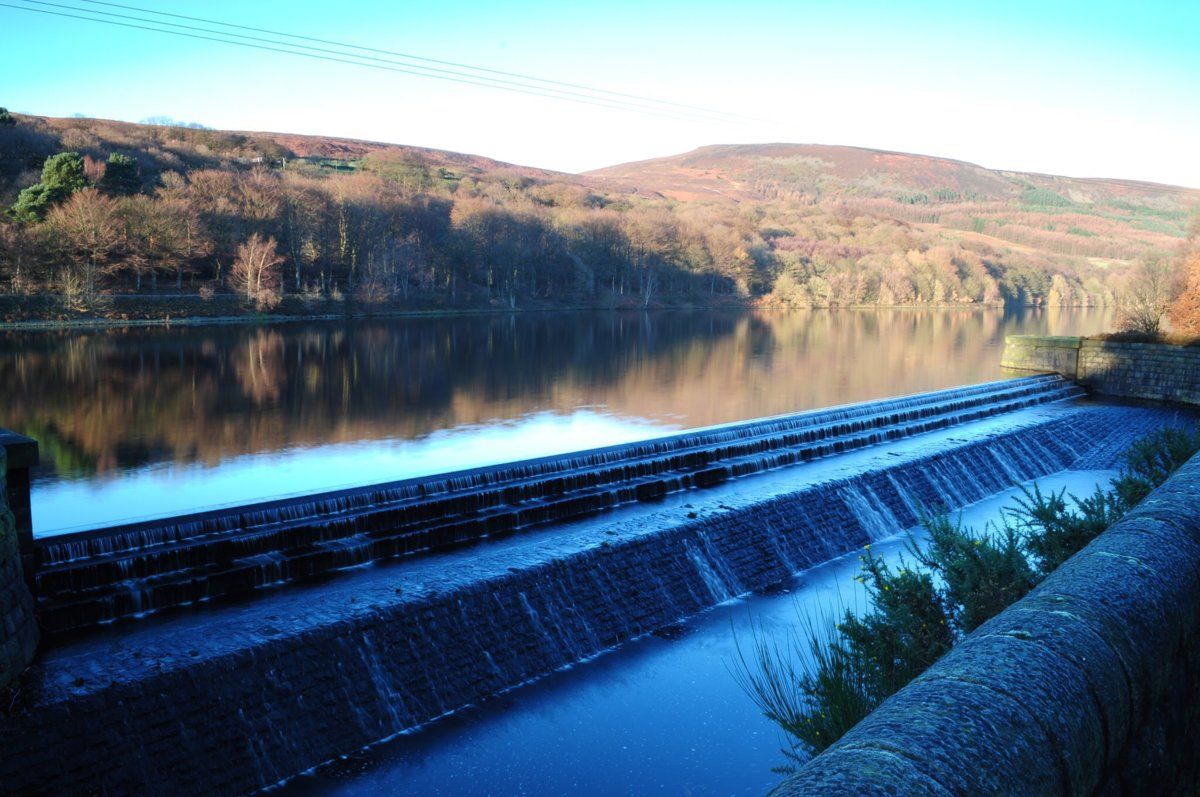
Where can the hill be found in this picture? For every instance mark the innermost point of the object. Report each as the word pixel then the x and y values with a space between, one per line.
pixel 1105 218
pixel 359 223
pixel 816 171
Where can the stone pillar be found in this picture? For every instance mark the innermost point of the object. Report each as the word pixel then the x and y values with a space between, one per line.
pixel 1045 354
pixel 22 455
pixel 18 625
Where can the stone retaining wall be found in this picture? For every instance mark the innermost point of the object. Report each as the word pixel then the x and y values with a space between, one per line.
pixel 18 629
pixel 1089 685
pixel 1044 354
pixel 1155 371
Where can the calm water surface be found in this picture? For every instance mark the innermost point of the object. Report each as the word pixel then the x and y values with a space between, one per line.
pixel 145 422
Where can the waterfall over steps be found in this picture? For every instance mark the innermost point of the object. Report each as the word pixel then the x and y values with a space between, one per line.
pixel 310 673
pixel 96 576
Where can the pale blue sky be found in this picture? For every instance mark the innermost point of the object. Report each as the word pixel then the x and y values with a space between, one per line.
pixel 1079 88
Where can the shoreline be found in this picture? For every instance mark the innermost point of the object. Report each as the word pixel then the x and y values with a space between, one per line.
pixel 265 319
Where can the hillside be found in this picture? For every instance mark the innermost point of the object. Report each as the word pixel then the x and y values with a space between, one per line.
pixel 1106 218
pixel 816 171
pixel 163 148
pixel 147 210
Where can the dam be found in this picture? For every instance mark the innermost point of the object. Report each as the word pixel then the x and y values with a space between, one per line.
pixel 237 648
pixel 87 577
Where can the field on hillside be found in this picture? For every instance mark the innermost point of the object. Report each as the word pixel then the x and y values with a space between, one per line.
pixel 148 210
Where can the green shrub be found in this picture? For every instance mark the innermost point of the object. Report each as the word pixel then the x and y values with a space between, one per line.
pixel 905 630
pixel 1055 528
pixel 1151 460
pixel 826 679
pixel 831 675
pixel 1044 197
pixel 811 686
pixel 62 175
pixel 121 176
pixel 982 572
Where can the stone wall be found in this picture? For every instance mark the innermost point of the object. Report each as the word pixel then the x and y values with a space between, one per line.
pixel 1044 354
pixel 18 628
pixel 1155 371
pixel 1089 685
pixel 1141 370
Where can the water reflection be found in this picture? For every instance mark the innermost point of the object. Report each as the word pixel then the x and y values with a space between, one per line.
pixel 144 421
pixel 163 490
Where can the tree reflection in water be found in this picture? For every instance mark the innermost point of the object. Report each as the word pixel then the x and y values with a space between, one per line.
pixel 105 404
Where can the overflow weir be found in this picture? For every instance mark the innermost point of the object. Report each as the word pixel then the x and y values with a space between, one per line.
pixel 95 576
pixel 226 651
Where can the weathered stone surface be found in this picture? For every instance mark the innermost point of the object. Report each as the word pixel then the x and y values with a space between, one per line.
pixel 865 772
pixel 1135 370
pixel 1095 677
pixel 1043 354
pixel 1009 716
pixel 949 729
pixel 1141 370
pixel 1074 632
pixel 18 626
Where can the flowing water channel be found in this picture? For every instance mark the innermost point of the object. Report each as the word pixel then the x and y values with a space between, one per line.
pixel 148 422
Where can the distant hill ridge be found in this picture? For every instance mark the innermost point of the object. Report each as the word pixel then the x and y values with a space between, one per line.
pixel 735 171
pixel 763 171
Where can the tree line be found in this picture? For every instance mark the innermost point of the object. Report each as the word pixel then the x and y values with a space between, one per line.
pixel 393 229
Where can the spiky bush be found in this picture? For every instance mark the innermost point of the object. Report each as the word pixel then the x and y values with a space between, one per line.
pixel 1152 459
pixel 982 572
pixel 811 685
pixel 1055 526
pixel 828 676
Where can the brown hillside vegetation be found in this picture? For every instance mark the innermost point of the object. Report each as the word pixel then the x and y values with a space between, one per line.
pixel 757 171
pixel 1185 312
pixel 150 209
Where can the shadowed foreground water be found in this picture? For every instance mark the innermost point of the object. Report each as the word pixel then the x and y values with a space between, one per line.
pixel 156 421
pixel 661 715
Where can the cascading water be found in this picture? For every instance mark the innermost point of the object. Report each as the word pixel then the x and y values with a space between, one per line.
pixel 385 649
pixel 91 577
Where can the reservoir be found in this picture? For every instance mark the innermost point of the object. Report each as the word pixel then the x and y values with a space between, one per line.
pixel 147 422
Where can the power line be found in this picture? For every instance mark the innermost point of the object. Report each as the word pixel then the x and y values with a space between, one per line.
pixel 413 57
pixel 352 59
pixel 433 71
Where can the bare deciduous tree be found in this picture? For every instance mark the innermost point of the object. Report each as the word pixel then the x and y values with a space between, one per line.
pixel 88 229
pixel 255 272
pixel 1146 297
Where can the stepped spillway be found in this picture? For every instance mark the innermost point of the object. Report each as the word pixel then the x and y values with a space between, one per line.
pixel 92 577
pixel 238 695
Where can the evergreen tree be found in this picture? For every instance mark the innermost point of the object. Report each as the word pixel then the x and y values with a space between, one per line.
pixel 121 176
pixel 64 171
pixel 6 118
pixel 62 175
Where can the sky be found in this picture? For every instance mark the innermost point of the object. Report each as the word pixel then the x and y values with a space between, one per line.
pixel 1086 89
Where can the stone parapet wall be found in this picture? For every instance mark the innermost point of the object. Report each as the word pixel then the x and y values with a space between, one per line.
pixel 1141 370
pixel 18 627
pixel 1156 371
pixel 1089 685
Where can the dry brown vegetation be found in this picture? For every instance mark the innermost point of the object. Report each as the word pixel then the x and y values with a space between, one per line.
pixel 386 225
pixel 1185 311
